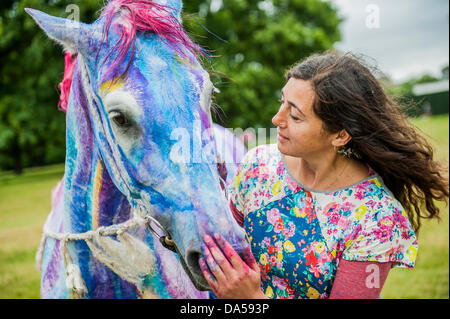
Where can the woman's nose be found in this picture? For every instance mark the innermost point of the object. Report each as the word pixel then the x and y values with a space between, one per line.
pixel 278 119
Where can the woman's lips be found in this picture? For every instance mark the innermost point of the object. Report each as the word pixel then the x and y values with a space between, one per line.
pixel 282 138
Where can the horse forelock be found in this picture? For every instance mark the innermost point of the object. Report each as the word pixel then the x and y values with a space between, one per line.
pixel 66 83
pixel 135 16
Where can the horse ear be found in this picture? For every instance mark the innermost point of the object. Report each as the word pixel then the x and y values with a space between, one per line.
pixel 72 35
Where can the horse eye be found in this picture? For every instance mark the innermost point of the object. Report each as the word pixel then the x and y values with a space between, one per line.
pixel 120 120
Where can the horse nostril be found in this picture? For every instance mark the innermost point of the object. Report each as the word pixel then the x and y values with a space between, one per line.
pixel 192 259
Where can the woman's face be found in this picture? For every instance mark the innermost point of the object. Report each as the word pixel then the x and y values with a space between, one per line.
pixel 300 132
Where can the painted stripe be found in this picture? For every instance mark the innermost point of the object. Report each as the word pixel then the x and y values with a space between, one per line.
pixel 98 181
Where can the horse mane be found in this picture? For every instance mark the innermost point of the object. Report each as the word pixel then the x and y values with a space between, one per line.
pixel 64 86
pixel 144 16
pixel 135 16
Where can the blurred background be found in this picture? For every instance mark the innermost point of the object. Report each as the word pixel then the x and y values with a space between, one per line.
pixel 252 43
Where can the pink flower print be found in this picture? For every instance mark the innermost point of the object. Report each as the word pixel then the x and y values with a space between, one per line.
pixel 400 248
pixel 334 219
pixel 278 226
pixel 343 222
pixel 347 206
pixel 371 203
pixel 273 260
pixel 273 216
pixel 353 234
pixel 279 283
pixel 263 172
pixel 265 242
pixel 401 219
pixel 278 245
pixel 280 168
pixel 279 264
pixel 291 229
pixel 300 243
pixel 362 186
pixel 315 270
pixel 383 234
pixel 330 208
pixel 387 221
pixel 405 235
pixel 252 173
pixel 359 195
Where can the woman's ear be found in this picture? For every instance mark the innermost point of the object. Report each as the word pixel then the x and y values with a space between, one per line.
pixel 341 138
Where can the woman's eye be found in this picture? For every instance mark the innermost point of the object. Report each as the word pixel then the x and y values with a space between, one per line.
pixel 294 117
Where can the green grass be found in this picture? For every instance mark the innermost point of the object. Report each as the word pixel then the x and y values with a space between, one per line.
pixel 429 278
pixel 25 204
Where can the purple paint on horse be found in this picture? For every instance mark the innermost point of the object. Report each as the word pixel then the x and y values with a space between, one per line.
pixel 136 80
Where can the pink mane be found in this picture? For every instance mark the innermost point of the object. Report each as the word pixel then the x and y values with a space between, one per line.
pixel 64 86
pixel 144 16
pixel 136 16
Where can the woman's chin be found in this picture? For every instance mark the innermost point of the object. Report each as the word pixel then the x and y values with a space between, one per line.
pixel 283 148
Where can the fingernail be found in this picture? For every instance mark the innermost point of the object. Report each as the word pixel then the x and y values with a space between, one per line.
pixel 207 238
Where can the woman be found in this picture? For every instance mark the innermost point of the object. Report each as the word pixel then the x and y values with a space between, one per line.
pixel 337 203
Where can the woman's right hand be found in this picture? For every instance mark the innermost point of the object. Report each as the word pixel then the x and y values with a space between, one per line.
pixel 227 274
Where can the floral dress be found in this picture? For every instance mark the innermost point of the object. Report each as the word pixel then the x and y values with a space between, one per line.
pixel 298 235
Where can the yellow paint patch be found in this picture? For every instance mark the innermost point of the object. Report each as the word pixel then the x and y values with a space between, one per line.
pixel 97 187
pixel 112 85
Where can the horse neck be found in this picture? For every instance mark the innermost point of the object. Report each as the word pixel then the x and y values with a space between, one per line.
pixel 92 200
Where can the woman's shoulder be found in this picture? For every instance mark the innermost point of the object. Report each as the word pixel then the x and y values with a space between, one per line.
pixel 375 225
pixel 261 154
pixel 369 198
pixel 259 178
pixel 258 166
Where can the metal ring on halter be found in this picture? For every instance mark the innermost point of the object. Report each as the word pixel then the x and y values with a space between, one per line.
pixel 224 184
pixel 165 240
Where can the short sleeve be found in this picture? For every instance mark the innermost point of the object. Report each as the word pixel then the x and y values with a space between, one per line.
pixel 382 235
pixel 238 187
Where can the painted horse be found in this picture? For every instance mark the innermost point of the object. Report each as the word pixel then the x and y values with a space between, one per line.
pixel 141 186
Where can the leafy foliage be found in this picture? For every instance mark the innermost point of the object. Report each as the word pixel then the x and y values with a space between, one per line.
pixel 32 131
pixel 255 42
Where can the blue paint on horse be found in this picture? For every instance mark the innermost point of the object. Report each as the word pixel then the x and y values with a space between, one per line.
pixel 120 159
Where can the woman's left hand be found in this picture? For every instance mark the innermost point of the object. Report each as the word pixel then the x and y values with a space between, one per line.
pixel 227 274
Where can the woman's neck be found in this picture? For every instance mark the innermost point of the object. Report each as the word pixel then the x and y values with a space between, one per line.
pixel 327 172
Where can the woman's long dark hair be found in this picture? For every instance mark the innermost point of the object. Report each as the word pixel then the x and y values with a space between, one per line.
pixel 348 96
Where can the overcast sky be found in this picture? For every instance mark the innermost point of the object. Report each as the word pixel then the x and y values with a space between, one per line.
pixel 406 38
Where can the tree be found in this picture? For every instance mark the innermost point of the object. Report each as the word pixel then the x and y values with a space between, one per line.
pixel 255 44
pixel 32 131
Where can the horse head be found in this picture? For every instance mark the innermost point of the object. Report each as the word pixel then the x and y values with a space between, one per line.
pixel 139 111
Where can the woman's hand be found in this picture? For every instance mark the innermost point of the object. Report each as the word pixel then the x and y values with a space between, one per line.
pixel 227 274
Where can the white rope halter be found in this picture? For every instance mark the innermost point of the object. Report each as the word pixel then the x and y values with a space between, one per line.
pixel 92 238
pixel 121 266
